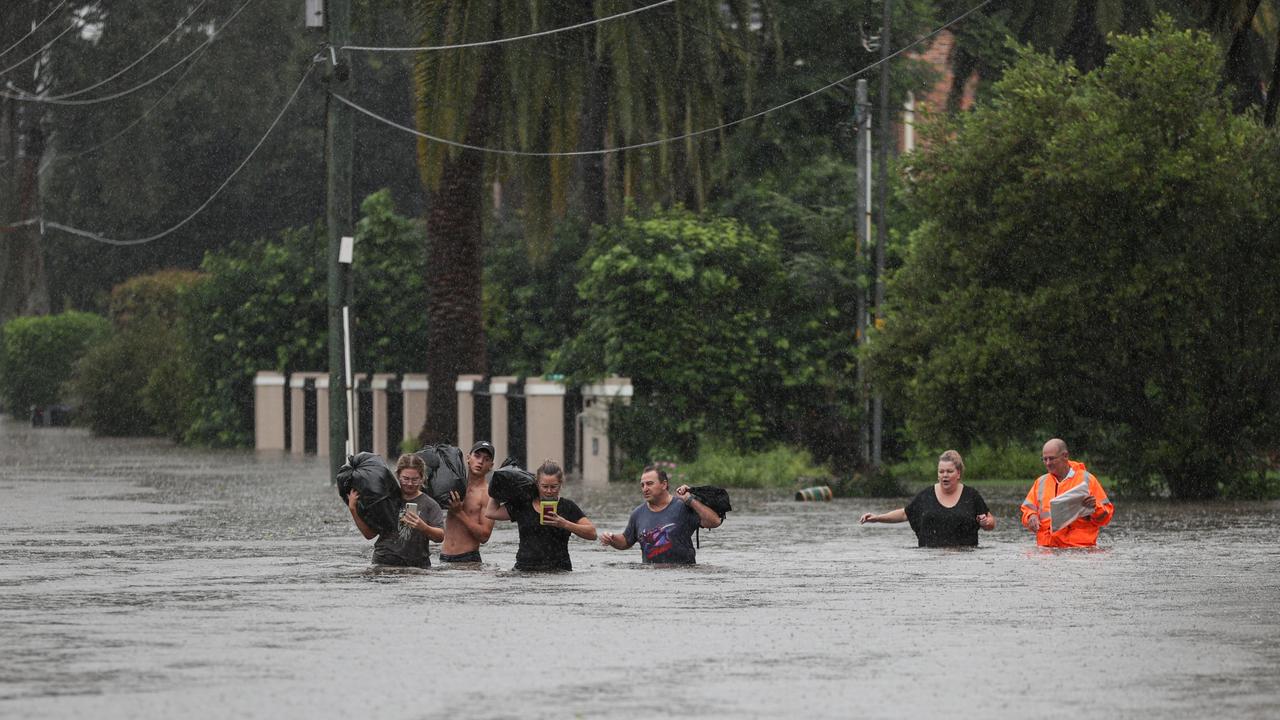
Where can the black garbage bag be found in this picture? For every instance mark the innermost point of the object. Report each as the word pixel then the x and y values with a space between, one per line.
pixel 713 497
pixel 716 498
pixel 511 483
pixel 380 500
pixel 446 472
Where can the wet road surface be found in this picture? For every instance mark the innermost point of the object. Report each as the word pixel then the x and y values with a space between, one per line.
pixel 142 580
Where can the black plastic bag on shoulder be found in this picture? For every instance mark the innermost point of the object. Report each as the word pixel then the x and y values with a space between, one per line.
pixel 380 500
pixel 511 483
pixel 446 472
pixel 716 498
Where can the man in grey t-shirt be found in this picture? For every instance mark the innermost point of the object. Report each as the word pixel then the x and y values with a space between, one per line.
pixel 664 524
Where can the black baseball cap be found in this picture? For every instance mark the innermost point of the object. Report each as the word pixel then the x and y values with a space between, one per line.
pixel 486 446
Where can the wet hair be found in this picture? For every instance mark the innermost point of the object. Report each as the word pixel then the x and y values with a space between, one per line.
pixel 411 460
pixel 551 469
pixel 662 474
pixel 954 458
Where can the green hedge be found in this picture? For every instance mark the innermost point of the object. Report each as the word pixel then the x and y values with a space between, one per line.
pixel 719 463
pixel 37 355
pixel 130 383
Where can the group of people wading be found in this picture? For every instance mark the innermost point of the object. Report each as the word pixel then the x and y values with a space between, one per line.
pixel 663 525
pixel 947 514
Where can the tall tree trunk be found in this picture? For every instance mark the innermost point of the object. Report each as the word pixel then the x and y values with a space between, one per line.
pixel 1273 90
pixel 1239 70
pixel 455 272
pixel 592 189
pixel 1084 43
pixel 24 288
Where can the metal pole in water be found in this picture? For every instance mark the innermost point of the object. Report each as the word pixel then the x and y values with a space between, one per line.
pixel 862 117
pixel 882 236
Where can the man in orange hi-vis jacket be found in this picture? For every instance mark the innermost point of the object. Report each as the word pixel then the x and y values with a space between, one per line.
pixel 1065 474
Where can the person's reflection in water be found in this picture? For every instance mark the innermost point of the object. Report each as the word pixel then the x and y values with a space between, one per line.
pixel 948 514
pixel 545 524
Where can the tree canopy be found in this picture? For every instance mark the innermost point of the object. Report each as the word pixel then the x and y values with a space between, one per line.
pixel 1098 260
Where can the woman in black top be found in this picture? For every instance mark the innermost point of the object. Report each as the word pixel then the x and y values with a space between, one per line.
pixel 947 514
pixel 544 531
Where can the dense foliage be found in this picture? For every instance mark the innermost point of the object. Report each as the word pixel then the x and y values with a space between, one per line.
pixel 123 384
pixel 37 355
pixel 1098 262
pixel 264 307
pixel 682 306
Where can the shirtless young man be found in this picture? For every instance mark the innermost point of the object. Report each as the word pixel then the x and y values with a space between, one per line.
pixel 466 528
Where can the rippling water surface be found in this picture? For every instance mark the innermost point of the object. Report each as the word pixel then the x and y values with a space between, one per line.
pixel 142 580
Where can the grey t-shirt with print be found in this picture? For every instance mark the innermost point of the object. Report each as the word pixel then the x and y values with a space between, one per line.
pixel 665 536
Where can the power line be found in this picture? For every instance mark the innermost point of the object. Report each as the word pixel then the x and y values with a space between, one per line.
pixel 128 67
pixel 500 41
pixel 35 27
pixel 74 24
pixel 677 138
pixel 54 101
pixel 55 159
pixel 97 237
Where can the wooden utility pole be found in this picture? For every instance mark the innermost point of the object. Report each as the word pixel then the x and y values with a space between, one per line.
pixel 337 155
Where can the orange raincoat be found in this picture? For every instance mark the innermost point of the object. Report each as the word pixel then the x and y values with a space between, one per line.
pixel 1081 532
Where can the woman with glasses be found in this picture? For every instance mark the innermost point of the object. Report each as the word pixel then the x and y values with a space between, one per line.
pixel 421 520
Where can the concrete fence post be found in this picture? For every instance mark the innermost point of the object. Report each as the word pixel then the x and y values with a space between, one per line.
pixel 498 415
pixel 268 411
pixel 466 386
pixel 593 425
pixel 380 413
pixel 414 386
pixel 322 416
pixel 544 422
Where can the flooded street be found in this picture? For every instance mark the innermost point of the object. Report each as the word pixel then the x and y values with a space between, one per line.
pixel 142 580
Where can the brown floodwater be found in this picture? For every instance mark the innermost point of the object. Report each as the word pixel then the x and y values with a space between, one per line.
pixel 142 580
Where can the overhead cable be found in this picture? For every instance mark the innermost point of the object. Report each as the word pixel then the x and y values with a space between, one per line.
pixel 74 24
pixel 500 41
pixel 25 97
pixel 55 159
pixel 33 28
pixel 662 141
pixel 130 66
pixel 97 237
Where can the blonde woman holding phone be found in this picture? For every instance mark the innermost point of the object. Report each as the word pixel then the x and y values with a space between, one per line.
pixel 421 520
pixel 545 524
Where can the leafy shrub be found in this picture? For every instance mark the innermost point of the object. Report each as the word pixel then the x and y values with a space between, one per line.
pixel 119 382
pixel 681 304
pixel 720 463
pixel 37 355
pixel 1012 461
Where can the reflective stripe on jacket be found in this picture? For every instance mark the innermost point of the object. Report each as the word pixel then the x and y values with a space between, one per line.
pixel 1082 532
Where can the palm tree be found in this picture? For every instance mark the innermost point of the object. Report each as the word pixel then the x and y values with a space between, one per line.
pixel 658 73
pixel 1077 30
